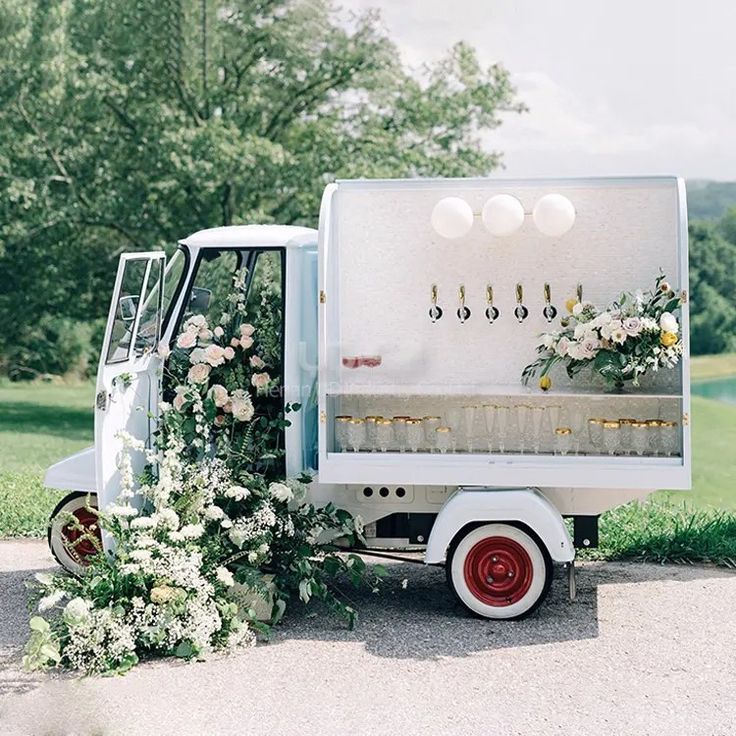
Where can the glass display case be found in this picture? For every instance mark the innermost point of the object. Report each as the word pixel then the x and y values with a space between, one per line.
pixel 423 342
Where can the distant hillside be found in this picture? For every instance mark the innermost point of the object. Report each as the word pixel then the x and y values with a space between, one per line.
pixel 708 200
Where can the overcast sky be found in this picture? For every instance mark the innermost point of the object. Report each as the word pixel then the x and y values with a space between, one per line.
pixel 613 87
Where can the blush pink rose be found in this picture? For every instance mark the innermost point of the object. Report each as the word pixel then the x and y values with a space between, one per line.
pixel 214 355
pixel 256 362
pixel 186 340
pixel 219 332
pixel 199 373
pixel 235 342
pixel 229 353
pixel 219 394
pixel 260 380
pixel 246 342
pixel 247 330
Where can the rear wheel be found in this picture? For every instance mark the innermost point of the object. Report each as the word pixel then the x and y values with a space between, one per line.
pixel 499 571
pixel 74 541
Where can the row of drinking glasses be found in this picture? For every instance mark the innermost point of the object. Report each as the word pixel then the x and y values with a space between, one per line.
pixel 634 436
pixel 381 434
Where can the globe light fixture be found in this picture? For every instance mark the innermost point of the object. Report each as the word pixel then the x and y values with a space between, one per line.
pixel 452 217
pixel 554 215
pixel 502 215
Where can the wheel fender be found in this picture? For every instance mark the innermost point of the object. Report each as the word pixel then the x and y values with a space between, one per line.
pixel 525 505
pixel 74 473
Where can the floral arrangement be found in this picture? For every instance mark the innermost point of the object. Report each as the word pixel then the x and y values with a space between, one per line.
pixel 211 532
pixel 637 333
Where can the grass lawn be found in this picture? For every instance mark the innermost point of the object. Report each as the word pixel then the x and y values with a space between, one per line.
pixel 42 423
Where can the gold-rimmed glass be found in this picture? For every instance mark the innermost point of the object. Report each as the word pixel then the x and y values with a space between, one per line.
pixel 342 423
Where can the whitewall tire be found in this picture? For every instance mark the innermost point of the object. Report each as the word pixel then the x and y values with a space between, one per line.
pixel 70 546
pixel 499 571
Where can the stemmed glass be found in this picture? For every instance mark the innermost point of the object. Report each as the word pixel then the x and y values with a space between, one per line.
pixel 595 433
pixel 625 431
pixel 577 425
pixel 554 413
pixel 502 423
pixel 356 433
pixel 640 437
pixel 414 434
pixel 444 439
pixel 384 433
pixel 538 414
pixel 399 426
pixel 342 424
pixel 371 432
pixel 523 412
pixel 611 436
pixel 469 412
pixel 563 440
pixel 489 416
pixel 430 424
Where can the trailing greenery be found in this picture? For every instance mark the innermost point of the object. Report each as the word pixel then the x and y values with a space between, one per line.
pixel 128 124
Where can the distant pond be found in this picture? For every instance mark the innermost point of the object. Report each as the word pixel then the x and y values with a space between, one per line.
pixel 718 389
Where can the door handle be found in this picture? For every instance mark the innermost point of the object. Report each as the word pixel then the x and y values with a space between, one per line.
pixel 101 400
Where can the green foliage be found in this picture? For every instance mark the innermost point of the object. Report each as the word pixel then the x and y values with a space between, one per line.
pixel 129 124
pixel 708 200
pixel 712 286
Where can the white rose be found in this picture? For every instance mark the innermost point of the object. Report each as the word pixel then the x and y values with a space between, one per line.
pixel 186 340
pixel 195 323
pixel 225 576
pixel 577 309
pixel 548 340
pixel 236 536
pixel 281 492
pixel 242 408
pixel 668 322
pixel 199 373
pixel 219 394
pixel 163 350
pixel 619 335
pixel 76 612
pixel 608 329
pixel 632 325
pixel 214 355
pixel 589 347
pixel 197 355
pixel 260 380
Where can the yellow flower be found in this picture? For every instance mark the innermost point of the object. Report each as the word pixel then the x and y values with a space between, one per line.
pixel 545 383
pixel 668 339
pixel 570 303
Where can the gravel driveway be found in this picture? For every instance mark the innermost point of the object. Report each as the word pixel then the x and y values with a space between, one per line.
pixel 645 649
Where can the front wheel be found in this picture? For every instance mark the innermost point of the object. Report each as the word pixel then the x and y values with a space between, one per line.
pixel 73 541
pixel 499 571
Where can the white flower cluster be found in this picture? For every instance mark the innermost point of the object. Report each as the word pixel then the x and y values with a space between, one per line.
pixel 99 638
pixel 253 528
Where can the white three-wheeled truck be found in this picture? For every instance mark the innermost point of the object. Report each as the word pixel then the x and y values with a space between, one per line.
pixel 406 321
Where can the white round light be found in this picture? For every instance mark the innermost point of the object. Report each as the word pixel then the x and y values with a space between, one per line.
pixel 503 215
pixel 554 215
pixel 452 217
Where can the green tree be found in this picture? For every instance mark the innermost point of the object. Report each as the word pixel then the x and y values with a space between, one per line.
pixel 712 289
pixel 131 123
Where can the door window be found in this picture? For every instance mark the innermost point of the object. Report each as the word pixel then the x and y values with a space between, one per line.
pixel 137 295
pixel 126 309
pixel 213 283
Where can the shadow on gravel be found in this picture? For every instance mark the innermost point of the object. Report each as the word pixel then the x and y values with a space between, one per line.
pixel 423 620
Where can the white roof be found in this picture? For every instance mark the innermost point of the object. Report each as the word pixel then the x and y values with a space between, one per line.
pixel 269 236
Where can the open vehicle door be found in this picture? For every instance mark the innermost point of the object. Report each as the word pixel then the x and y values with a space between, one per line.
pixel 129 375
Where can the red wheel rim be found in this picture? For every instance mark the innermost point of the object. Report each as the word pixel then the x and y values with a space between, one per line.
pixel 498 571
pixel 77 540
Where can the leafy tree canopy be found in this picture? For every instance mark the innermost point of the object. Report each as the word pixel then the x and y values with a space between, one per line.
pixel 129 124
